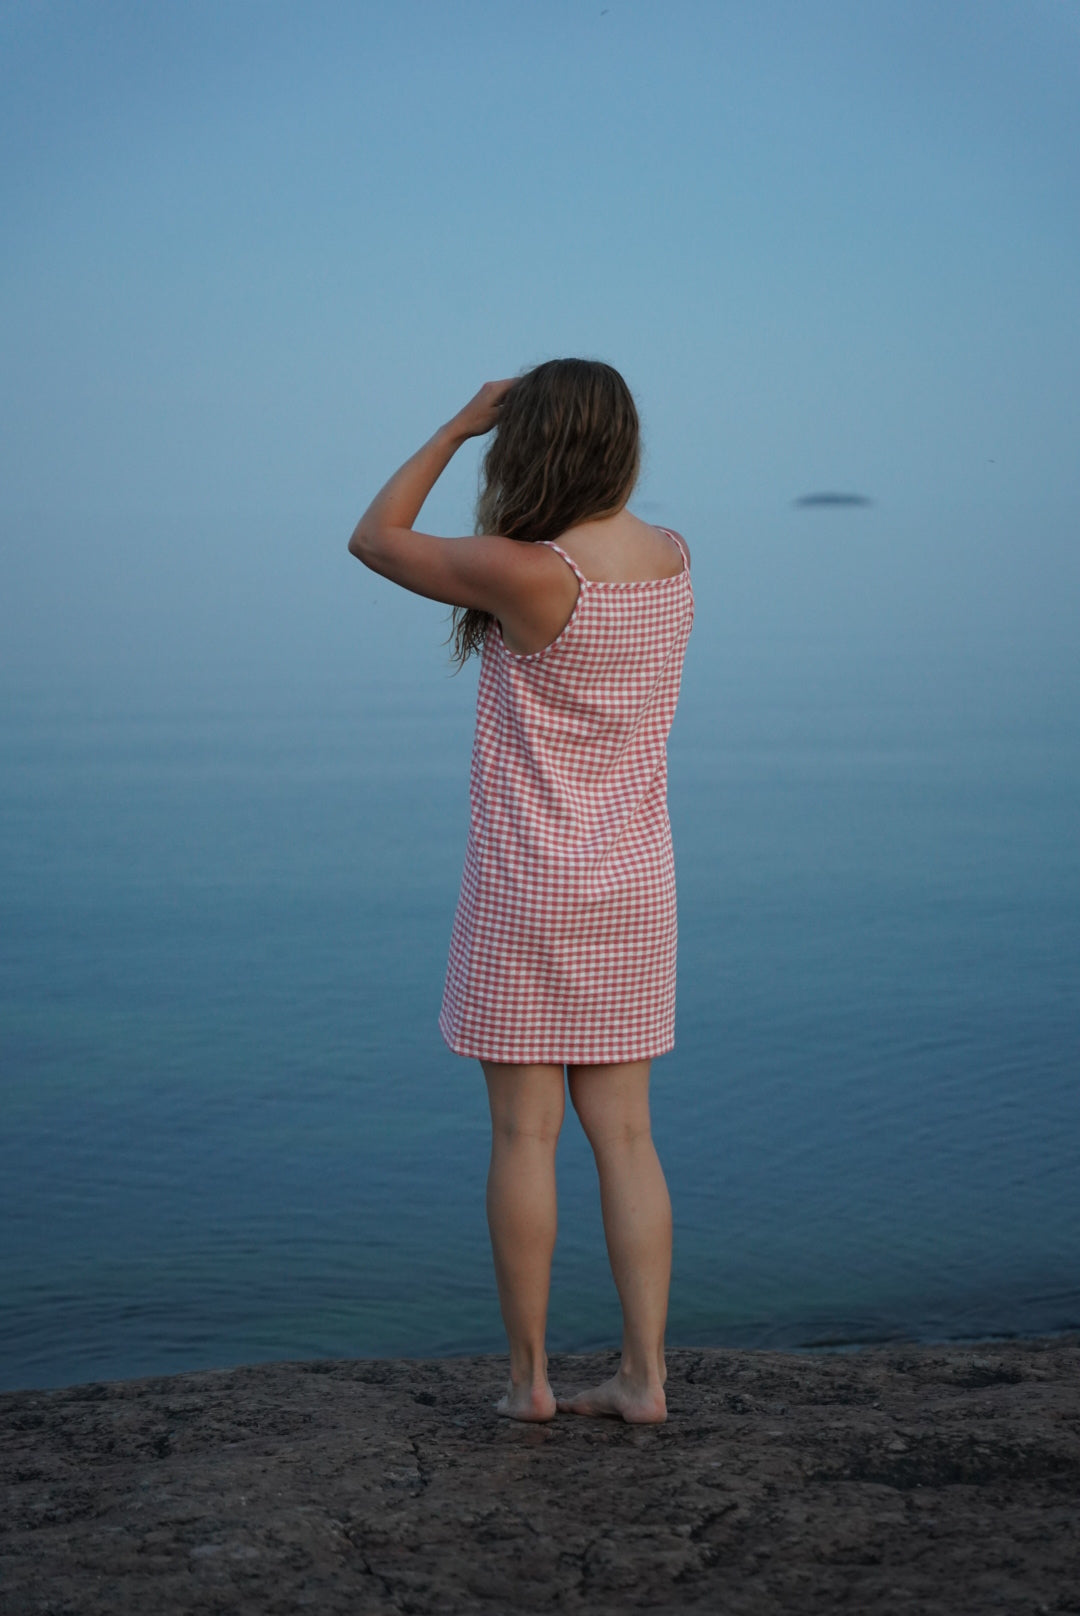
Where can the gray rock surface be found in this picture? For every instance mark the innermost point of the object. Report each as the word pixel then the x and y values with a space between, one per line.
pixel 898 1479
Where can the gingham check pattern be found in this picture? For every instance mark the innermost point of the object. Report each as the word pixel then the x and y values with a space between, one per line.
pixel 563 946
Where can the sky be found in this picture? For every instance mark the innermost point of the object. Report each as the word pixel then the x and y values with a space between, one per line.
pixel 254 253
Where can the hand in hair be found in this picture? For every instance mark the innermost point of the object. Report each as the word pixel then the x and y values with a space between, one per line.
pixel 481 413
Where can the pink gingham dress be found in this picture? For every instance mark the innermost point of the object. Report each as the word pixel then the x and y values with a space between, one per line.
pixel 563 945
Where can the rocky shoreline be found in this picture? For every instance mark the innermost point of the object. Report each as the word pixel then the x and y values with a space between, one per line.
pixel 925 1479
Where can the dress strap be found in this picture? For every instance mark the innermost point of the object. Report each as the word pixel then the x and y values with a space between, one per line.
pixel 549 544
pixel 682 547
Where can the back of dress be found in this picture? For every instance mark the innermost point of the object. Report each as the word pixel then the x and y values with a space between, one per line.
pixel 563 947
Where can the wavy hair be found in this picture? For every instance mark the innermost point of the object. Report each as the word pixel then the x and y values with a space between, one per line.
pixel 567 448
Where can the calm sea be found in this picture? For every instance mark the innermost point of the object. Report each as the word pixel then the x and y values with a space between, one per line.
pixel 231 1131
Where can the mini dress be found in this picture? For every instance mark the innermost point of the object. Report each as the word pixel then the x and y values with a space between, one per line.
pixel 564 940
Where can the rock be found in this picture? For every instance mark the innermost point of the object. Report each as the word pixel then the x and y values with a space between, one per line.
pixel 937 1479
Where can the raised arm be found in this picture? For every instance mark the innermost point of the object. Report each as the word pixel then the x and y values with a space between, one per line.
pixel 483 570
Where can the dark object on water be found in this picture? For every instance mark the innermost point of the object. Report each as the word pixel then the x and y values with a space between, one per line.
pixel 833 499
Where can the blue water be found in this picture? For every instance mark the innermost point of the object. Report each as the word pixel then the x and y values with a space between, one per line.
pixel 231 1131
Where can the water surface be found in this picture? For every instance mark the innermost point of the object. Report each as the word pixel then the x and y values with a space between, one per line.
pixel 231 1130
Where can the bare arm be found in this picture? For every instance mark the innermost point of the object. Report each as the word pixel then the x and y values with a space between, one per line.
pixel 484 570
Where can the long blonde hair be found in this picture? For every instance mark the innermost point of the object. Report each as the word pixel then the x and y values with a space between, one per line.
pixel 567 448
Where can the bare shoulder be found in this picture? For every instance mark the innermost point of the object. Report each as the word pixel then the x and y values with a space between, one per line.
pixel 623 549
pixel 523 576
pixel 483 570
pixel 536 596
pixel 673 532
pixel 518 562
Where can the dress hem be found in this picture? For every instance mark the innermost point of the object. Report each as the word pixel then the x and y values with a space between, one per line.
pixel 541 1055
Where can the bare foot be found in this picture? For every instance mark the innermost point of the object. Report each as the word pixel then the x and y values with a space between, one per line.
pixel 619 1398
pixel 527 1403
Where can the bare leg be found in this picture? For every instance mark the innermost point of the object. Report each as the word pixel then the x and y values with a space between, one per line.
pixel 527 1108
pixel 613 1105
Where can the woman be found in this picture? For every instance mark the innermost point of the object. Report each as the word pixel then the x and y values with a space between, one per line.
pixel 563 948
